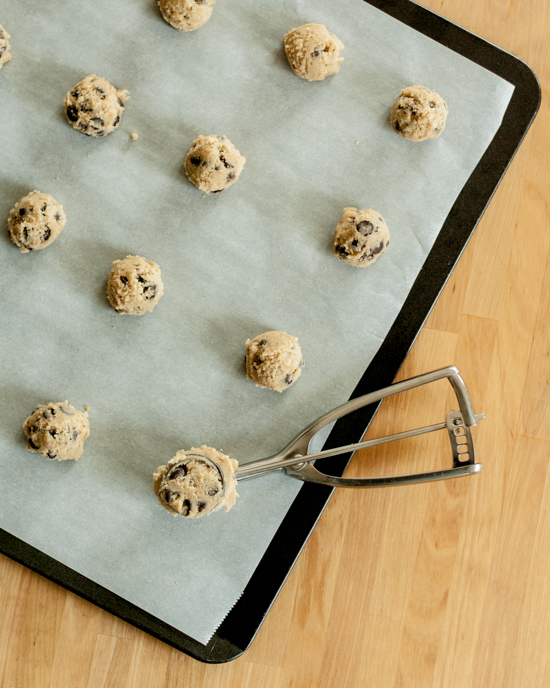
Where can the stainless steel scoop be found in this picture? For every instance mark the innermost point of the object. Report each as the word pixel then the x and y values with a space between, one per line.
pixel 295 460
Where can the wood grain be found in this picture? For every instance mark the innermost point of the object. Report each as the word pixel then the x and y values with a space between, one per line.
pixel 439 585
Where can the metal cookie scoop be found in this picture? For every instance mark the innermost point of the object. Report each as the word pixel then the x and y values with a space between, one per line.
pixel 295 460
pixel 182 491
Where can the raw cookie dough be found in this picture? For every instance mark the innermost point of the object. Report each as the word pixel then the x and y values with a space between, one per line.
pixel 273 360
pixel 313 52
pixel 418 114
pixel 57 431
pixel 191 486
pixel 213 163
pixel 35 221
pixel 134 285
pixel 186 15
pixel 4 47
pixel 94 107
pixel 360 237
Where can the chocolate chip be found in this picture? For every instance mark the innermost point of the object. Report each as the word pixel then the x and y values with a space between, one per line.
pixel 22 211
pixel 47 234
pixel 66 410
pixel 218 191
pixel 201 505
pixel 53 432
pixel 288 379
pixel 230 176
pixel 185 507
pixel 262 342
pixel 75 94
pixel 151 291
pixel 120 102
pixel 432 105
pixel 387 243
pixel 43 209
pixel 211 491
pixel 227 164
pixel 195 161
pixel 74 434
pixel 57 217
pixel 140 278
pixel 72 113
pixel 48 413
pixel 316 53
pixel 355 243
pixel 98 121
pixel 116 122
pixel 178 472
pixel 396 126
pixel 101 92
pixel 200 2
pixel 169 495
pixel 82 127
pixel 377 249
pixel 51 454
pixel 342 250
pixel 365 227
pixel 31 444
pixel 124 279
pixel 100 133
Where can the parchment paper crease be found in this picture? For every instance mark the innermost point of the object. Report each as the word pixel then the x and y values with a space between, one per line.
pixel 255 258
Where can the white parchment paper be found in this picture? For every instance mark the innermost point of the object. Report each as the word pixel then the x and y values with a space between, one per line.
pixel 255 258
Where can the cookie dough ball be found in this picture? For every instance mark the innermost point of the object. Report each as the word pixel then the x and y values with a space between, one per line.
pixel 360 237
pixel 313 52
pixel 94 107
pixel 418 114
pixel 186 15
pixel 134 286
pixel 4 47
pixel 57 431
pixel 273 360
pixel 35 221
pixel 213 163
pixel 196 483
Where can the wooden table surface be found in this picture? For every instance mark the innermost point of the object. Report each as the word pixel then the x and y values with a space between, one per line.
pixel 444 584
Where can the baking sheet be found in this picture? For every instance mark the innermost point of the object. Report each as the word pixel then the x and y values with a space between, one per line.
pixel 254 258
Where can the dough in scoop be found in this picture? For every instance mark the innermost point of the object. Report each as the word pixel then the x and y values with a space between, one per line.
pixel 35 221
pixel 196 482
pixel 313 52
pixel 57 431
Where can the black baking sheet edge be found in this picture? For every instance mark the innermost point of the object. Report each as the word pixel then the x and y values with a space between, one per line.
pixel 243 622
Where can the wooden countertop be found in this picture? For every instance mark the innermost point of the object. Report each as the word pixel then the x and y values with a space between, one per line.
pixel 438 585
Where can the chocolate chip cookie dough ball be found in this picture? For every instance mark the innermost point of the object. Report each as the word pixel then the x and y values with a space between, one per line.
pixel 57 431
pixel 35 221
pixel 213 163
pixel 4 47
pixel 186 15
pixel 134 286
pixel 418 114
pixel 273 360
pixel 196 483
pixel 313 52
pixel 94 107
pixel 360 237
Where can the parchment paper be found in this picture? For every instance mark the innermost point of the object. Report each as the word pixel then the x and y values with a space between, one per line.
pixel 255 258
